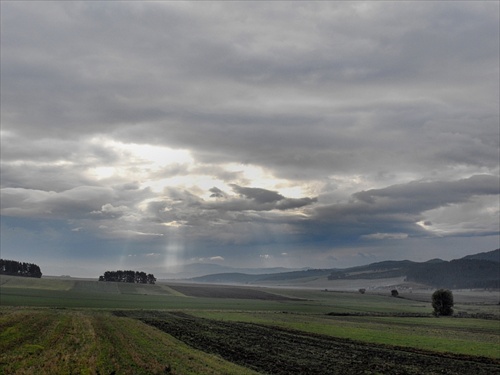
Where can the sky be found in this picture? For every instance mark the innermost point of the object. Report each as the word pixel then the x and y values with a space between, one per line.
pixel 151 135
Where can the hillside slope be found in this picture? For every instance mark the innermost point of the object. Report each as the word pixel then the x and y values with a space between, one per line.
pixel 480 270
pixel 492 256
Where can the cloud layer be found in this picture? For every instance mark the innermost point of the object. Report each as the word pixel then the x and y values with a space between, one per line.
pixel 305 134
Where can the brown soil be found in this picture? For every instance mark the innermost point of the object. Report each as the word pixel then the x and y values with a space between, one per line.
pixel 273 350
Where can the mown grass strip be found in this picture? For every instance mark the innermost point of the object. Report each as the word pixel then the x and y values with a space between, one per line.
pixel 48 341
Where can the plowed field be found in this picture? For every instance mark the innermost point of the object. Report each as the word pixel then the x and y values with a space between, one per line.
pixel 275 350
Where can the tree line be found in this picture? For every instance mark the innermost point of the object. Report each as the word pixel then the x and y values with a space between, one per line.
pixel 15 268
pixel 128 277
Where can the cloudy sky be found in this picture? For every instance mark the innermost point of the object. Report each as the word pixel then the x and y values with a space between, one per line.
pixel 147 135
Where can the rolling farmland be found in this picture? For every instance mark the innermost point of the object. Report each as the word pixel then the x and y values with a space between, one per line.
pixel 56 326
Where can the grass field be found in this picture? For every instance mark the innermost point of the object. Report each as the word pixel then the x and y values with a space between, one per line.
pixel 48 341
pixel 461 336
pixel 56 326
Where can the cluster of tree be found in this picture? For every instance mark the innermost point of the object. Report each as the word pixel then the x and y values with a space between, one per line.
pixel 442 302
pixel 15 268
pixel 128 277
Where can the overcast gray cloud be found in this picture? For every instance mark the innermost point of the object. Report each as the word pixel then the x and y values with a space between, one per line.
pixel 404 208
pixel 253 133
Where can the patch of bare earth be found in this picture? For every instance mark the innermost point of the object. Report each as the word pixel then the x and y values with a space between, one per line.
pixel 275 350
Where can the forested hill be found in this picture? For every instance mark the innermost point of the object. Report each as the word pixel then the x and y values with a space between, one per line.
pixel 15 268
pixel 493 256
pixel 474 271
pixel 243 278
pixel 460 273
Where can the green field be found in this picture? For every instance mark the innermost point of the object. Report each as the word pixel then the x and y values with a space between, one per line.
pixel 69 326
pixel 48 341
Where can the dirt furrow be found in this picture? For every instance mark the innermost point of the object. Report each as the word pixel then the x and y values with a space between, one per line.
pixel 274 350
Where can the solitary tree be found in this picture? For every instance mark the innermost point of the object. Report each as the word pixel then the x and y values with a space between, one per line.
pixel 394 293
pixel 442 302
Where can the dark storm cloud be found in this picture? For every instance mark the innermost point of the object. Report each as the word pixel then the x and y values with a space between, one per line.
pixel 255 199
pixel 315 71
pixel 181 206
pixel 257 194
pixel 217 193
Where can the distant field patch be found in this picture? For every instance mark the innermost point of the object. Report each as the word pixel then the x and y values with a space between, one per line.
pixel 96 287
pixel 35 283
pixel 218 291
pixel 147 289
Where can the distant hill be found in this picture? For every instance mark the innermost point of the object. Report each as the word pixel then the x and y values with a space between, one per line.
pixel 473 271
pixel 228 278
pixel 435 260
pixel 242 278
pixel 379 270
pixel 492 256
pixel 195 270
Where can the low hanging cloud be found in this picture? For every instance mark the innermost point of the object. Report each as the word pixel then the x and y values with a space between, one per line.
pixel 216 258
pixel 385 236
